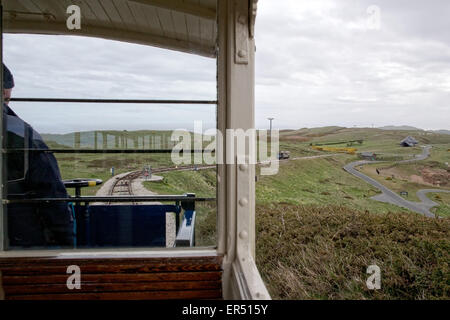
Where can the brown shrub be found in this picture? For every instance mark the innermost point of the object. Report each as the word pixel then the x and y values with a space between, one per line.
pixel 323 253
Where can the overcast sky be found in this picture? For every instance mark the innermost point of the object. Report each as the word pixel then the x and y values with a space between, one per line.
pixel 318 63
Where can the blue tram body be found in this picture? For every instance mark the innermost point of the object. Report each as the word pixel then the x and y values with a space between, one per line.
pixel 131 225
pixel 122 225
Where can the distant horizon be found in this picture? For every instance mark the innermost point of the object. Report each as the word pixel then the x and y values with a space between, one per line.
pixel 274 128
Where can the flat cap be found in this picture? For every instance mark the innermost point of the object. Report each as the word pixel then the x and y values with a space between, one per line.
pixel 8 79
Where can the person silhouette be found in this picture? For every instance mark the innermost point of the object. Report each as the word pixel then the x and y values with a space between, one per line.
pixel 33 172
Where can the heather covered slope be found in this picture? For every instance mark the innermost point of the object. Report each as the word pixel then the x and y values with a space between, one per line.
pixel 322 252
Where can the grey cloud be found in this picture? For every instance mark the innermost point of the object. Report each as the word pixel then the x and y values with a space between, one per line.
pixel 320 60
pixel 317 63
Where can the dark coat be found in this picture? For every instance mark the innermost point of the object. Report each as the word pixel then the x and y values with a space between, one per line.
pixel 34 174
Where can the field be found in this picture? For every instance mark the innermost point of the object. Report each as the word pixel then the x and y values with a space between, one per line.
pixel 98 166
pixel 318 231
pixel 316 182
pixel 317 227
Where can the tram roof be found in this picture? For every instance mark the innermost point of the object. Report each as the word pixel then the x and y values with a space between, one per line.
pixel 181 25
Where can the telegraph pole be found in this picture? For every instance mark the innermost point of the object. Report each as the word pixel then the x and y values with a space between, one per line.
pixel 270 132
pixel 270 119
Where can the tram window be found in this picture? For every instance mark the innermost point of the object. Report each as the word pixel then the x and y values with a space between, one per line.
pixel 118 184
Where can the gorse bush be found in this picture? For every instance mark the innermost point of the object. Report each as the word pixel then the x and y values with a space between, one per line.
pixel 311 252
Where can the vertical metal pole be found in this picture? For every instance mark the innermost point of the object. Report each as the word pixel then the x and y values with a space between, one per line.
pixel 77 138
pixel 270 119
pixel 3 212
pixel 222 70
pixel 105 140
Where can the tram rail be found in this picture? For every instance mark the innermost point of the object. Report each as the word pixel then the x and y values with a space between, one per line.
pixel 123 186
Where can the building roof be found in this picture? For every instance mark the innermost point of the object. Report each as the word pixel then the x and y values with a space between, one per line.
pixel 409 141
pixel 182 25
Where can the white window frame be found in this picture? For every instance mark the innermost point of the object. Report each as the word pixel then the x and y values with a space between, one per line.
pixel 235 183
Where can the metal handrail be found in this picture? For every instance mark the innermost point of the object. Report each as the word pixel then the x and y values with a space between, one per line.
pixel 110 199
pixel 15 150
pixel 145 101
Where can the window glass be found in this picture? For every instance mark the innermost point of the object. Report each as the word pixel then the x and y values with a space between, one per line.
pixel 68 151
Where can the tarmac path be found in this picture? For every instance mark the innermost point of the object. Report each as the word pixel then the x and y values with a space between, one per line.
pixel 302 158
pixel 389 196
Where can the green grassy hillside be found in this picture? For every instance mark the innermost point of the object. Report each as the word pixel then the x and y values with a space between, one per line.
pixel 317 228
pixel 317 182
pixel 87 139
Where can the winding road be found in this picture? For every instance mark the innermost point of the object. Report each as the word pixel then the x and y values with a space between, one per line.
pixel 390 196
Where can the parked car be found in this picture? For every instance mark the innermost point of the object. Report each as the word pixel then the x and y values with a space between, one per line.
pixel 284 155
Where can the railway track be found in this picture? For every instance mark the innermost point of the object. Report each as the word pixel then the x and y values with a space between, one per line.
pixel 123 186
